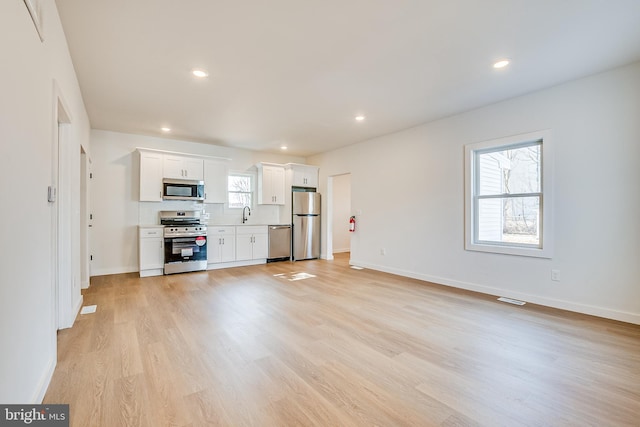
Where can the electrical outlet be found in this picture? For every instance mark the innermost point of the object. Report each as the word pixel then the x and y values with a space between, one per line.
pixel 555 275
pixel 383 251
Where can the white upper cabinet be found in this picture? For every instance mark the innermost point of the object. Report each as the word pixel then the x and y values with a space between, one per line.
pixel 270 184
pixel 215 181
pixel 179 167
pixel 150 176
pixel 156 165
pixel 302 175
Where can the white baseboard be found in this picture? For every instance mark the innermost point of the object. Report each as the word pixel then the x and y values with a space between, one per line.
pixel 150 273
pixel 45 380
pixel 338 251
pixel 77 308
pixel 604 312
pixel 113 270
pixel 217 266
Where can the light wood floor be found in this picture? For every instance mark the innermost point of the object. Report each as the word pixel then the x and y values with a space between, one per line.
pixel 243 347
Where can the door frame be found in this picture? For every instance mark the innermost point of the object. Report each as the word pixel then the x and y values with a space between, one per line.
pixel 61 247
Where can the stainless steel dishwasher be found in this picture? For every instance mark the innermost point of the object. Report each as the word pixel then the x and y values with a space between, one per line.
pixel 279 243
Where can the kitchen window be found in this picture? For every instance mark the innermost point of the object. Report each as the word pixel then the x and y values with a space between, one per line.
pixel 508 195
pixel 240 190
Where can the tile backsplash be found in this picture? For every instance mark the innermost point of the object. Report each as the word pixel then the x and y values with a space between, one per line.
pixel 211 213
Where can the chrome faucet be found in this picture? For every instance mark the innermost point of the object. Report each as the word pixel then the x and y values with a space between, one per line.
pixel 244 217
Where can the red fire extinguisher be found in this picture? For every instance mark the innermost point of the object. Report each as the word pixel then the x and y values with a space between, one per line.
pixel 352 224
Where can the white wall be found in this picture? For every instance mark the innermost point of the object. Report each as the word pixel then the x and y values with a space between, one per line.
pixel 115 191
pixel 341 213
pixel 27 132
pixel 409 187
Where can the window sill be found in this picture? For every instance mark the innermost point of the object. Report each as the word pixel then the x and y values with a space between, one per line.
pixel 510 250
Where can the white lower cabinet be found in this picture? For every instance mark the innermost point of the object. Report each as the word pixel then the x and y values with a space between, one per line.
pixel 221 244
pixel 252 242
pixel 151 251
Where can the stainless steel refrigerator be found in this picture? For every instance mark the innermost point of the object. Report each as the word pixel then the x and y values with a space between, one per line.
pixel 306 225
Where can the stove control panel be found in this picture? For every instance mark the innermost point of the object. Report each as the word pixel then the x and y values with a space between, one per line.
pixel 185 231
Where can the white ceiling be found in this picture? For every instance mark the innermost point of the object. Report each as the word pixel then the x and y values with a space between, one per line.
pixel 296 72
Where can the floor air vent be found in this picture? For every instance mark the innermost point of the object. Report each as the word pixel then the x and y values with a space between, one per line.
pixel 511 301
pixel 88 309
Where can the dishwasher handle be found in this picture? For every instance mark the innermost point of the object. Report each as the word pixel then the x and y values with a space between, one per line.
pixel 279 227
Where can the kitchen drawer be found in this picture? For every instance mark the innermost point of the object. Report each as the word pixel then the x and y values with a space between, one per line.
pixel 215 230
pixel 252 229
pixel 148 232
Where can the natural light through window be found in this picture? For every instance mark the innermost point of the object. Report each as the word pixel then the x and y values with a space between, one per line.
pixel 239 190
pixel 508 207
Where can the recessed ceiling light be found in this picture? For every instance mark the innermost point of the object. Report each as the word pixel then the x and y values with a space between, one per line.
pixel 360 118
pixel 200 73
pixel 501 64
pixel 166 129
pixel 283 147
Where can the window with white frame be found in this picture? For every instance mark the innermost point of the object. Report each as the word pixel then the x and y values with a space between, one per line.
pixel 508 195
pixel 240 190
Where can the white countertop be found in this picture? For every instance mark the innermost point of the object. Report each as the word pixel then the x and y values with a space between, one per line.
pixel 215 225
pixel 241 225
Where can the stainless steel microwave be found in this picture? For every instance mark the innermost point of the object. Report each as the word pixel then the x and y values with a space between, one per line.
pixel 182 189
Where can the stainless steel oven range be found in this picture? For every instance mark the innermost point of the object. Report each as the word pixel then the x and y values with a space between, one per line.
pixel 185 241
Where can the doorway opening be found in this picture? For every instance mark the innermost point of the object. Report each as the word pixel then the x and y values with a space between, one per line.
pixel 338 214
